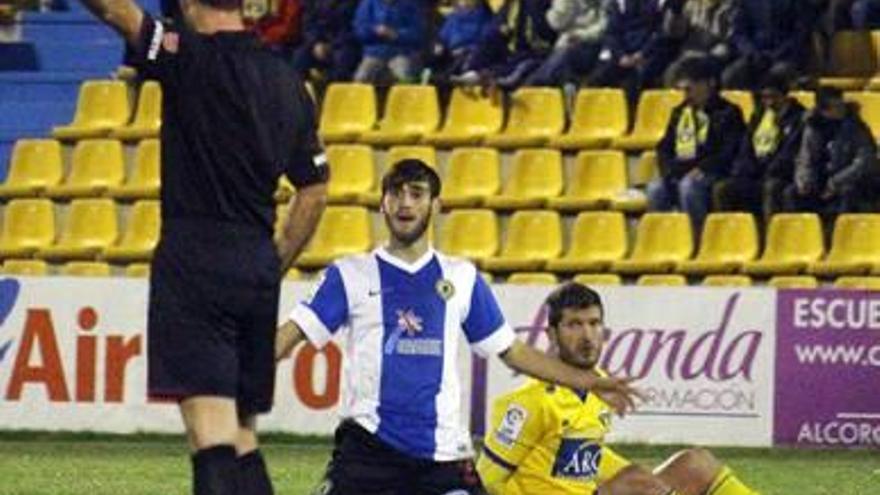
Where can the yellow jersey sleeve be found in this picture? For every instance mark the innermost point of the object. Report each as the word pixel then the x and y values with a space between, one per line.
pixel 516 426
pixel 612 463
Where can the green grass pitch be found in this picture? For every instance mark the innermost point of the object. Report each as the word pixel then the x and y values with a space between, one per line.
pixel 61 464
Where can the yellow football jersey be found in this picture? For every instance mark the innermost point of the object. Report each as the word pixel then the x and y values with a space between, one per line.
pixel 548 439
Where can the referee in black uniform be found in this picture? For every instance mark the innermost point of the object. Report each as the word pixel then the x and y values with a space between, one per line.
pixel 235 117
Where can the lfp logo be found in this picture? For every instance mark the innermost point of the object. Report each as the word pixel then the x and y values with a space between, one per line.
pixel 9 289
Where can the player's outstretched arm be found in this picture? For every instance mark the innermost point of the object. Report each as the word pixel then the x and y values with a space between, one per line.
pixel 617 392
pixel 124 16
pixel 302 216
pixel 288 336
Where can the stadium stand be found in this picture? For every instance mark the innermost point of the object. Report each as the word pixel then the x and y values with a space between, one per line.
pixel 793 282
pixel 470 233
pixel 28 226
pixel 470 118
pixel 663 240
pixel 352 172
pixel 532 278
pixel 410 112
pixel 535 176
pixel 600 116
pixel 794 241
pixel 85 269
pixel 533 238
pixel 90 227
pixel 35 166
pixel 472 176
pixel 663 280
pixel 349 110
pixel 343 230
pixel 611 279
pixel 654 108
pixel 727 281
pixel 101 107
pixel 96 167
pixel 598 239
pixel 147 116
pixel 728 241
pixel 536 116
pixel 140 237
pixel 144 180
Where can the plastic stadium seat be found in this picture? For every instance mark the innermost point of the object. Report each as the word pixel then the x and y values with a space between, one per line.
pixel 535 176
pixel 138 270
pixel 27 268
pixel 533 238
pixel 743 99
pixel 472 175
pixel 874 83
pixel 28 225
pixel 598 181
pixel 144 180
pixel 349 110
pixel 532 278
pixel 853 60
pixel 655 108
pixel 591 279
pixel 85 269
pixel 97 166
pixel 663 240
pixel 727 281
pixel 410 112
pixel 91 227
pixel 598 239
pixel 536 115
pixel 869 105
pixel 293 275
pixel 147 117
pixel 858 283
pixel 855 246
pixel 794 241
pixel 35 165
pixel 662 280
pixel 793 282
pixel 141 234
pixel 101 107
pixel 426 154
pixel 728 241
pixel 343 230
pixel 471 234
pixel 600 115
pixel 352 172
pixel 806 98
pixel 647 169
pixel 284 191
pixel 470 118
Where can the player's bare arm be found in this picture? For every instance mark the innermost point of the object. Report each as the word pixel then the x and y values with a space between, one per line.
pixel 288 336
pixel 124 16
pixel 301 218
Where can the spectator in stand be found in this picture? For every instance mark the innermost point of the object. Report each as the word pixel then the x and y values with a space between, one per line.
pixel 769 36
pixel 836 170
pixel 458 37
pixel 329 44
pixel 764 166
pixel 704 30
pixel 393 36
pixel 699 145
pixel 866 14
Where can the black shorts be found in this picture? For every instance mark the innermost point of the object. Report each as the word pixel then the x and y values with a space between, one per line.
pixel 213 313
pixel 364 465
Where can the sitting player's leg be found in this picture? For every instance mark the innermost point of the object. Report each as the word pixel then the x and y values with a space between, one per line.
pixel 697 472
pixel 634 480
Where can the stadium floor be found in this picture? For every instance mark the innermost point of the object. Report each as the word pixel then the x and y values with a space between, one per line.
pixel 76 464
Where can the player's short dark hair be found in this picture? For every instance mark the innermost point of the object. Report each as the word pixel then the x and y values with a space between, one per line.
pixel 411 170
pixel 826 95
pixel 222 4
pixel 571 295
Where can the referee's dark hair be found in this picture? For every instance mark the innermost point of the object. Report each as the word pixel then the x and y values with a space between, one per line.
pixel 411 170
pixel 571 295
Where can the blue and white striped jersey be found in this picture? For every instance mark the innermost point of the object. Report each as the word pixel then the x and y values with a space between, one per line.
pixel 404 321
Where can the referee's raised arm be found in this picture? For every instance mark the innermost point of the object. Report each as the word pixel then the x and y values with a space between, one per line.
pixel 124 16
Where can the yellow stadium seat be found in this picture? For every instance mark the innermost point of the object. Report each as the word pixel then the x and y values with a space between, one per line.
pixel 591 279
pixel 352 172
pixel 147 116
pixel 472 175
pixel 138 270
pixel 600 115
pixel 647 169
pixel 535 176
pixel 90 228
pixel 598 239
pixel 28 226
pixel 853 60
pixel 597 181
pixel 728 241
pixel 655 280
pixel 144 181
pixel 426 154
pixel 794 282
pixel 533 238
pixel 652 116
pixel 410 113
pixel 25 268
pixel 470 118
pixel 471 234
pixel 35 165
pixel 85 269
pixel 141 234
pixel 663 240
pixel 101 107
pixel 855 246
pixel 727 281
pixel 869 108
pixel 794 241
pixel 858 283
pixel 284 191
pixel 806 98
pixel 343 230
pixel 536 115
pixel 874 83
pixel 293 275
pixel 97 166
pixel 743 99
pixel 349 110
pixel 532 278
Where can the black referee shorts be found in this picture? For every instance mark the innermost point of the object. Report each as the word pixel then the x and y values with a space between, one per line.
pixel 364 465
pixel 213 312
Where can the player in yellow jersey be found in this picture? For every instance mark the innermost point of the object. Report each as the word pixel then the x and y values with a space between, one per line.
pixel 546 439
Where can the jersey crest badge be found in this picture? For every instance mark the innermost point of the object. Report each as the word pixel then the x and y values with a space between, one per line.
pixel 445 289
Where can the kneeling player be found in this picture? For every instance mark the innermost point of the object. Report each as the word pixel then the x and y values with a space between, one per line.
pixel 549 439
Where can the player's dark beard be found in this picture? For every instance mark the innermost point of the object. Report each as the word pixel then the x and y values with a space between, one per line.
pixel 409 238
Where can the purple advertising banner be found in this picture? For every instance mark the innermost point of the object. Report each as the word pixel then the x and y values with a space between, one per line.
pixel 828 369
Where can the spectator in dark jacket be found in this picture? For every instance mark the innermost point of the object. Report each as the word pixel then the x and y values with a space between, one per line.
pixel 329 43
pixel 392 34
pixel 704 29
pixel 866 14
pixel 462 30
pixel 699 145
pixel 836 170
pixel 764 166
pixel 769 36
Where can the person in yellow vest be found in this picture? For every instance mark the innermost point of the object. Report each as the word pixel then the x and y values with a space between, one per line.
pixel 550 440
